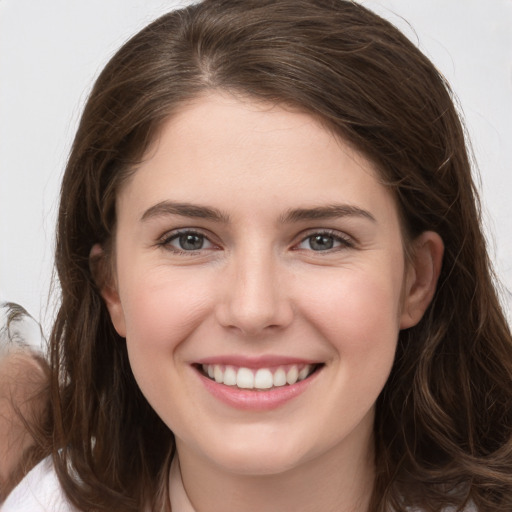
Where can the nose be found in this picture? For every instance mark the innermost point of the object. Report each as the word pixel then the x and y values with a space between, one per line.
pixel 254 299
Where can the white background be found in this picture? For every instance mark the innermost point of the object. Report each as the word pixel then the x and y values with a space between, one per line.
pixel 51 51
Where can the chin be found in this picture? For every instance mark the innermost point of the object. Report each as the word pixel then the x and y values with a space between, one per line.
pixel 260 454
pixel 261 463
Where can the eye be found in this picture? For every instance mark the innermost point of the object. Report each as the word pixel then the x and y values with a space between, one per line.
pixel 324 241
pixel 187 241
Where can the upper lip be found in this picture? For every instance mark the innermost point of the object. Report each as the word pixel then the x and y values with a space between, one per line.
pixel 265 361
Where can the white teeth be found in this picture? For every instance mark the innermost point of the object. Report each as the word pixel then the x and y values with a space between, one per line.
pixel 245 378
pixel 263 378
pixel 292 375
pixel 279 378
pixel 304 372
pixel 230 376
pixel 218 375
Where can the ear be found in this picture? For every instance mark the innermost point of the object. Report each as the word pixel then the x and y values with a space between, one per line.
pixel 422 273
pixel 105 282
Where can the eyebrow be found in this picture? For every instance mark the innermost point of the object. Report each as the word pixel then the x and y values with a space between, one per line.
pixel 165 208
pixel 326 212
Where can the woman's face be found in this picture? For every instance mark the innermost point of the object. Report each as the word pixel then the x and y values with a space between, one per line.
pixel 260 284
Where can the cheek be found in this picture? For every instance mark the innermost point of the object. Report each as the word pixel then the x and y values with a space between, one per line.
pixel 161 311
pixel 358 312
pixel 161 308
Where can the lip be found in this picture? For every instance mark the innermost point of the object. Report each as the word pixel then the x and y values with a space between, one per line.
pixel 254 362
pixel 255 400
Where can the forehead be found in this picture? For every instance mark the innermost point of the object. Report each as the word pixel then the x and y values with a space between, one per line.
pixel 220 148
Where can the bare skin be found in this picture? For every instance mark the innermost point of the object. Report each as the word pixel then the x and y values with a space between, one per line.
pixel 217 267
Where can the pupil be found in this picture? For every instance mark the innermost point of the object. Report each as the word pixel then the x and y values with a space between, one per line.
pixel 321 242
pixel 191 242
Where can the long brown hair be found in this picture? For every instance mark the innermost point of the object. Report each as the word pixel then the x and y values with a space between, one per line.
pixel 444 420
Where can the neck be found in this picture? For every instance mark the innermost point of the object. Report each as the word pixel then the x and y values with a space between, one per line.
pixel 338 481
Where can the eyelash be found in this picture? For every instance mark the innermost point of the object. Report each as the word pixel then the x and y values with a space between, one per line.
pixel 344 241
pixel 165 241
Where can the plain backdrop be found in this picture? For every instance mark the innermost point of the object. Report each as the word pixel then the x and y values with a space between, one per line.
pixel 51 51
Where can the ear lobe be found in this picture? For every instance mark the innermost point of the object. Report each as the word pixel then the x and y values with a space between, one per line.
pixel 421 278
pixel 108 288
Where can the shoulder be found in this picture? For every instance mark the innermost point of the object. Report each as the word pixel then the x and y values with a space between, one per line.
pixel 39 491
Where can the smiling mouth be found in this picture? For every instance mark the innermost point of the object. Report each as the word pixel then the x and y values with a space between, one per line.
pixel 260 379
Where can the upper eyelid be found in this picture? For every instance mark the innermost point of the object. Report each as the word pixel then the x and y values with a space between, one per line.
pixel 326 231
pixel 165 242
pixel 168 236
pixel 345 241
pixel 302 236
pixel 180 231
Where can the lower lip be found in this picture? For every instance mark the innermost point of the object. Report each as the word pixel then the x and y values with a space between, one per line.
pixel 257 400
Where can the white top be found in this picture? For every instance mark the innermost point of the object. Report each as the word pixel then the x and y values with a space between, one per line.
pixel 40 491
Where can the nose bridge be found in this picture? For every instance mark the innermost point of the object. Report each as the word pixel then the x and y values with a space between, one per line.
pixel 254 298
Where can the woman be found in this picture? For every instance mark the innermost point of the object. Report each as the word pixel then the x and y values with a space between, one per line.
pixel 275 290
